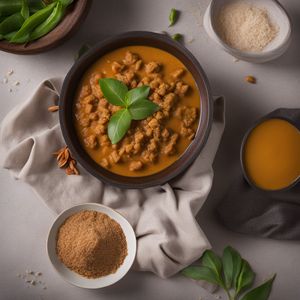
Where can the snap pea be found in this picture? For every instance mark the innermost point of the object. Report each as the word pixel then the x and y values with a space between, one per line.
pixel 9 35
pixel 23 35
pixel 36 5
pixel 65 2
pixel 9 7
pixel 25 9
pixel 11 23
pixel 50 23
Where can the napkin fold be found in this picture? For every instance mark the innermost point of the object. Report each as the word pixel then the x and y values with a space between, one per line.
pixel 266 214
pixel 163 217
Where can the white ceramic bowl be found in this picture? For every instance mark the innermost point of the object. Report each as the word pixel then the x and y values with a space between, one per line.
pixel 277 14
pixel 77 279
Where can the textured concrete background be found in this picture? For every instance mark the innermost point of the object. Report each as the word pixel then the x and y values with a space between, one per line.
pixel 24 219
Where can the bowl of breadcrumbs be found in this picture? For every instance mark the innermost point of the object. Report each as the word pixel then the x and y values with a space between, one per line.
pixel 91 245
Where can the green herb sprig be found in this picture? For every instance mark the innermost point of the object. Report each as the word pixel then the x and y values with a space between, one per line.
pixel 232 273
pixel 134 103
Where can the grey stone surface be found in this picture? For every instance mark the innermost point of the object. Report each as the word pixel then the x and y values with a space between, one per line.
pixel 25 220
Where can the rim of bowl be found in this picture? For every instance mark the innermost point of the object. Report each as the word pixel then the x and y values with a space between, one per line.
pixel 248 54
pixel 242 150
pixel 57 219
pixel 132 38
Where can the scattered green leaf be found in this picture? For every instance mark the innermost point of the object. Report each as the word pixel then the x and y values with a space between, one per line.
pixel 177 37
pixel 261 292
pixel 82 50
pixel 173 16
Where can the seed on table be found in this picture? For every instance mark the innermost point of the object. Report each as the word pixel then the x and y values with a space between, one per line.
pixel 250 79
pixel 53 108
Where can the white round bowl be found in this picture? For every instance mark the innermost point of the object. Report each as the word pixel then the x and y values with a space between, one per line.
pixel 278 16
pixel 77 279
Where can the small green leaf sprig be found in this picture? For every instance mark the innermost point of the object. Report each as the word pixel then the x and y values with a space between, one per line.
pixel 134 103
pixel 232 273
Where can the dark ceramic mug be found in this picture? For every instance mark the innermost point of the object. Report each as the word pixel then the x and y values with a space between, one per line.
pixel 291 115
pixel 67 98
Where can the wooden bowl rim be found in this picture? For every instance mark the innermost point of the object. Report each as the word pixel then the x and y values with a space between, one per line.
pixel 69 25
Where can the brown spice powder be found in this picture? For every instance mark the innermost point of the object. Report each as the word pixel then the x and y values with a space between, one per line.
pixel 91 244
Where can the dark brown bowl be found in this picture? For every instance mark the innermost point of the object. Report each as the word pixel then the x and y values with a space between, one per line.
pixel 75 15
pixel 291 115
pixel 70 86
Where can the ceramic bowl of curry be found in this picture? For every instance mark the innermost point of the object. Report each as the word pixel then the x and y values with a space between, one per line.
pixel 270 151
pixel 156 149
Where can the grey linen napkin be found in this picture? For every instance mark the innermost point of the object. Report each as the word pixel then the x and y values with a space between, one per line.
pixel 163 217
pixel 270 215
pixel 267 214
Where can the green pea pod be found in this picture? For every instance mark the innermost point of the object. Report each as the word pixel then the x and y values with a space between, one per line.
pixel 9 35
pixel 66 2
pixel 23 35
pixel 49 24
pixel 12 23
pixel 36 5
pixel 9 7
pixel 25 9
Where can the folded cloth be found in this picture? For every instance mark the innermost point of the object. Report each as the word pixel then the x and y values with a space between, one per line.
pixel 250 211
pixel 163 217
pixel 267 214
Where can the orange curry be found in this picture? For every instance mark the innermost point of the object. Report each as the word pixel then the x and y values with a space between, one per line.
pixel 150 145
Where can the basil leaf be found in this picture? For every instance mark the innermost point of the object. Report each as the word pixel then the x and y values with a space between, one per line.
pixel 137 94
pixel 212 261
pixel 173 16
pixel 114 91
pixel 245 278
pixel 232 263
pixel 118 125
pixel 142 109
pixel 261 292
pixel 202 273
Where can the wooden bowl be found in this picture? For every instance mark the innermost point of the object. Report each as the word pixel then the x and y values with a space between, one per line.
pixel 75 14
pixel 70 86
